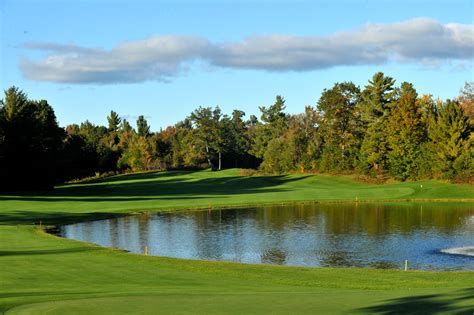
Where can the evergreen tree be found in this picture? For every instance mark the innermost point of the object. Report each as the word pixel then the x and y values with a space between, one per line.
pixel 143 129
pixel 340 126
pixel 240 141
pixel 406 133
pixel 79 158
pixel 125 126
pixel 30 142
pixel 452 140
pixel 309 140
pixel 208 133
pixel 274 123
pixel 114 121
pixel 466 100
pixel 374 109
pixel 298 146
pixel 382 128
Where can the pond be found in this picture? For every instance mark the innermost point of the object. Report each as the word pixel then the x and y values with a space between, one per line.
pixel 430 236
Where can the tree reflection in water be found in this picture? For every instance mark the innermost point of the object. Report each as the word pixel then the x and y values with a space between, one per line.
pixel 327 235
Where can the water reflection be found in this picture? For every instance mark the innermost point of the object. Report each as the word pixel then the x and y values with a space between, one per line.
pixel 274 256
pixel 363 235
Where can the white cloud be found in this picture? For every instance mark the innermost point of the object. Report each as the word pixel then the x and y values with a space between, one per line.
pixel 421 41
pixel 418 40
pixel 155 58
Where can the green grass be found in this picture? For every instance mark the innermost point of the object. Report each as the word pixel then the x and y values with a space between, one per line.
pixel 43 273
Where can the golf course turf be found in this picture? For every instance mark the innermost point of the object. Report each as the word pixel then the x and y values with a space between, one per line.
pixel 40 272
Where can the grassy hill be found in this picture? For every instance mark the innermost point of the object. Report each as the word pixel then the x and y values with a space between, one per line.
pixel 43 273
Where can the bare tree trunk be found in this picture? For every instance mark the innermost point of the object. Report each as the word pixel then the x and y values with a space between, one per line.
pixel 220 161
pixel 208 158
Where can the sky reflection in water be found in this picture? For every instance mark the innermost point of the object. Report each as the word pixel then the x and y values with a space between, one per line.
pixel 339 235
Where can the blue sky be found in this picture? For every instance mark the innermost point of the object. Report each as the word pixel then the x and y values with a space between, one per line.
pixel 164 59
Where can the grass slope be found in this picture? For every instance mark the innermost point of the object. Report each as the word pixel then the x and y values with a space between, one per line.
pixel 40 273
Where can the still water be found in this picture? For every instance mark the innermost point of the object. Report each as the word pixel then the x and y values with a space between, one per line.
pixel 343 235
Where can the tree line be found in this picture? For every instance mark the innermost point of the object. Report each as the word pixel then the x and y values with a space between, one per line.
pixel 380 131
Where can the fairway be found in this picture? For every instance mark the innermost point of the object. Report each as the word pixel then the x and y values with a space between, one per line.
pixel 41 273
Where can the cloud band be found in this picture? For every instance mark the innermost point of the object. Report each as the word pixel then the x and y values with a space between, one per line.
pixel 160 58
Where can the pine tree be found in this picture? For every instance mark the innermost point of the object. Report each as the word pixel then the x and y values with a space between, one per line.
pixel 274 123
pixel 208 133
pixel 374 109
pixel 466 100
pixel 406 132
pixel 452 140
pixel 30 142
pixel 340 126
pixel 125 126
pixel 114 121
pixel 143 129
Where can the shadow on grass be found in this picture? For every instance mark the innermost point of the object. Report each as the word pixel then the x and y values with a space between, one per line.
pixel 426 304
pixel 151 186
pixel 46 251
pixel 32 297
pixel 4 295
pixel 135 187
pixel 53 218
pixel 169 187
pixel 132 176
pixel 96 199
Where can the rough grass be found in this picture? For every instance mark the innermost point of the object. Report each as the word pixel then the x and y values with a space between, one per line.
pixel 42 273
